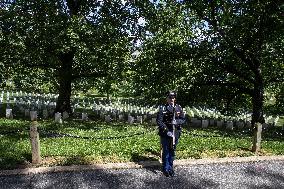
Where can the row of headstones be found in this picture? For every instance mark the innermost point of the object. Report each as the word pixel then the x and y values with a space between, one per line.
pixel 130 119
pixel 140 119
pixel 76 99
pixel 40 98
pixel 229 125
pixel 27 113
pixel 33 98
pixel 45 111
pixel 21 93
pixel 35 102
pixel 58 117
pixel 41 105
pixel 38 101
pixel 115 111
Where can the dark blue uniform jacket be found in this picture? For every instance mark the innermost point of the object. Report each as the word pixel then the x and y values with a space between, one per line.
pixel 165 117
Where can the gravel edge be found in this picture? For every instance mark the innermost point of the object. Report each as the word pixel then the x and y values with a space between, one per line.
pixel 133 165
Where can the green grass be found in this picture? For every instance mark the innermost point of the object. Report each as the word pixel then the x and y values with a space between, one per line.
pixel 97 142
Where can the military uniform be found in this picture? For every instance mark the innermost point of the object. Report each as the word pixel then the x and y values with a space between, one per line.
pixel 169 121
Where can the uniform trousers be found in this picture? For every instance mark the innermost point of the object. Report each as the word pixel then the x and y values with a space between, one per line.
pixel 168 151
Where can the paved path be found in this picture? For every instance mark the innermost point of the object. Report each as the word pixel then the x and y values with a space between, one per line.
pixel 253 172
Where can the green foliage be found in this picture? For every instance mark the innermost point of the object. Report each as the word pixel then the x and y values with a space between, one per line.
pixel 238 54
pixel 162 54
pixel 35 35
pixel 218 53
pixel 214 53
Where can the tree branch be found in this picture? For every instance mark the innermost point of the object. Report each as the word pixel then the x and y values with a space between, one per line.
pixel 230 68
pixel 221 32
pixel 89 75
pixel 275 80
pixel 29 65
pixel 235 85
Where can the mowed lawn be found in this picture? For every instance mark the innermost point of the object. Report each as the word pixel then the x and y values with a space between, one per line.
pixel 77 142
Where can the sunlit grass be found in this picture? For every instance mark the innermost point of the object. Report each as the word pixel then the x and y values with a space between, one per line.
pixel 97 142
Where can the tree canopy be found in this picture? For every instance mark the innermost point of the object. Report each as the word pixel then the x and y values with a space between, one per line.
pixel 232 55
pixel 221 54
pixel 65 43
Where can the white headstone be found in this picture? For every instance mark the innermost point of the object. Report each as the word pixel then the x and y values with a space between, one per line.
pixel 102 115
pixel 230 125
pixel 45 114
pixel 120 117
pixel 153 121
pixel 84 116
pixel 211 122
pixel 220 123
pixel 22 109
pixel 107 118
pixel 240 124
pixel 27 112
pixel 33 115
pixel 130 119
pixel 58 118
pixel 139 119
pixel 65 115
pixel 145 117
pixel 204 123
pixel 9 114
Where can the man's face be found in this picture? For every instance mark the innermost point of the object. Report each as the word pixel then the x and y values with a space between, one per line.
pixel 171 99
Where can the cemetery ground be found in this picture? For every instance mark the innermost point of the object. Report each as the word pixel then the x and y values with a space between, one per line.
pixel 77 142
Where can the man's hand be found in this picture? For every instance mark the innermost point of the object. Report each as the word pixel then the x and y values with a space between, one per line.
pixel 170 134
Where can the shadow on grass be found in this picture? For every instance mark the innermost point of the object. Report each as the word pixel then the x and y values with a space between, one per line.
pixel 13 157
pixel 270 134
pixel 149 161
pixel 75 160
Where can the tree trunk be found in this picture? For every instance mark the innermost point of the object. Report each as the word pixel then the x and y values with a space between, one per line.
pixel 257 115
pixel 257 101
pixel 65 80
pixel 65 71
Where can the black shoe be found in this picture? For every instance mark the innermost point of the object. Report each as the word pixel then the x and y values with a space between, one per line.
pixel 166 173
pixel 172 173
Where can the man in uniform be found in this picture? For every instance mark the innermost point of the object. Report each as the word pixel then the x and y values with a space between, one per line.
pixel 169 121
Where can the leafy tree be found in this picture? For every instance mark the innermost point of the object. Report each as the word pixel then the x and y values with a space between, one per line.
pixel 67 42
pixel 162 62
pixel 242 41
pixel 229 53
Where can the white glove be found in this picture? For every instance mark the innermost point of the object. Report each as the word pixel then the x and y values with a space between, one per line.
pixel 170 134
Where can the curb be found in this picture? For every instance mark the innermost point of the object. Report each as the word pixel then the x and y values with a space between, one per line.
pixel 136 165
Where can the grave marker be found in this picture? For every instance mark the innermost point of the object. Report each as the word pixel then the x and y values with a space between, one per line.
pixel 85 117
pixel 33 115
pixel 65 115
pixel 139 119
pixel 204 123
pixel 130 119
pixel 45 114
pixel 58 118
pixel 9 114
pixel 220 123
pixel 230 125
pixel 107 118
